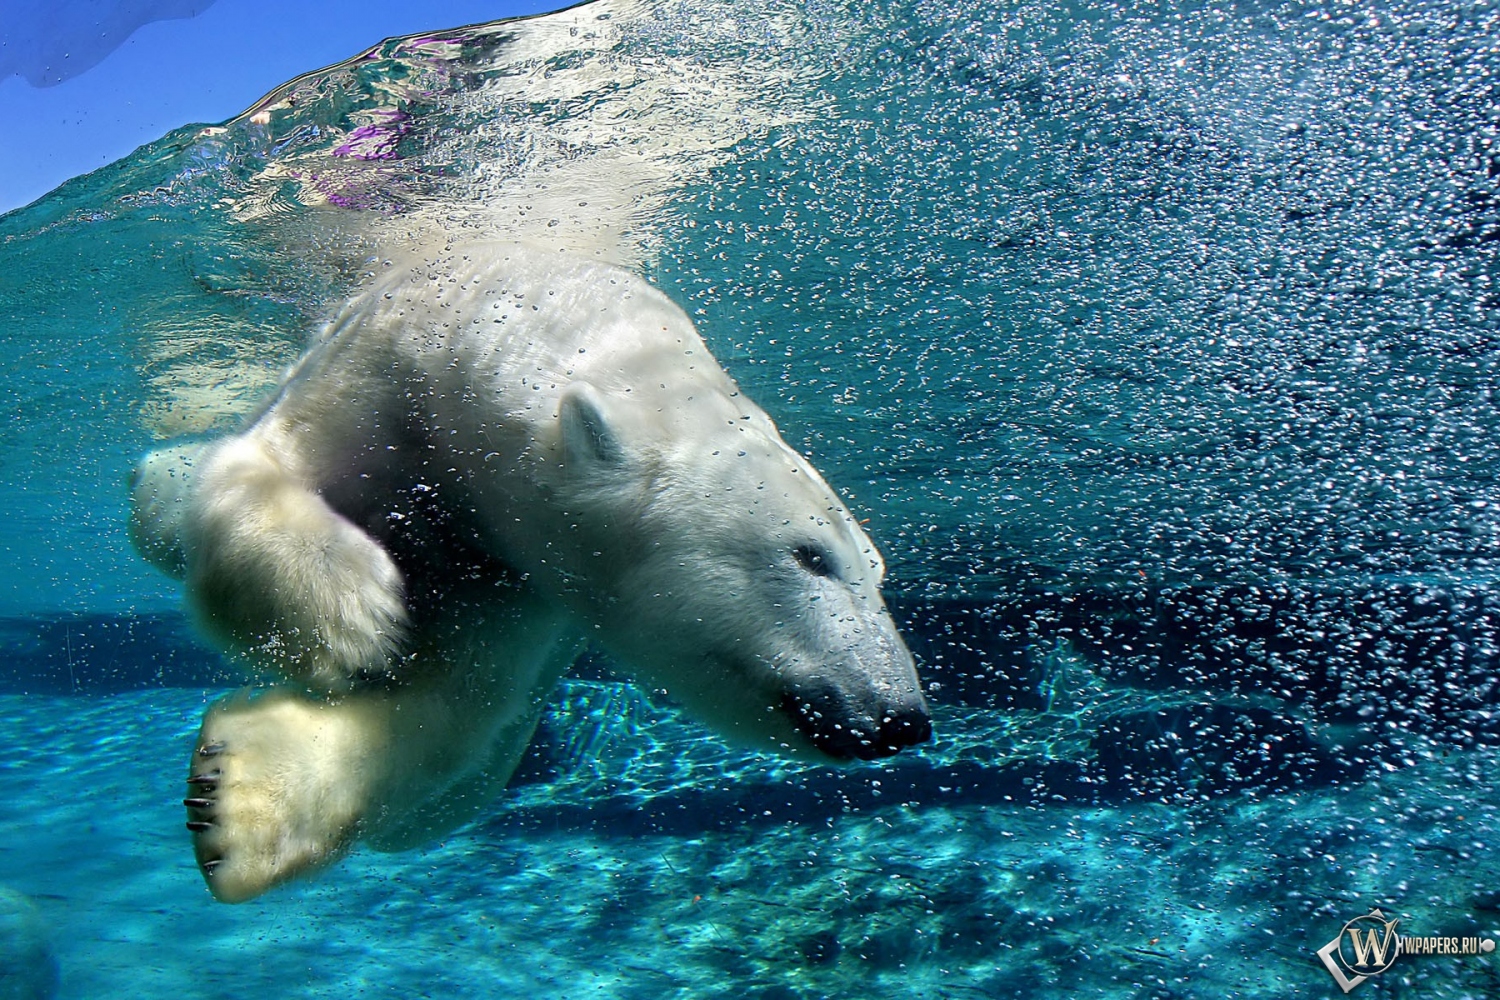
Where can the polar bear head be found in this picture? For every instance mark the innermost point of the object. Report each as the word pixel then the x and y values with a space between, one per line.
pixel 725 570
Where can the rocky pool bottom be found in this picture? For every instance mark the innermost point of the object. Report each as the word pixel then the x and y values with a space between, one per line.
pixel 638 858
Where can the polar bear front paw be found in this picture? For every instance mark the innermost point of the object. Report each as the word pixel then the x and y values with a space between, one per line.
pixel 343 618
pixel 277 575
pixel 277 787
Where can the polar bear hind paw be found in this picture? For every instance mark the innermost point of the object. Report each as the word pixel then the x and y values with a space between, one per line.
pixel 277 788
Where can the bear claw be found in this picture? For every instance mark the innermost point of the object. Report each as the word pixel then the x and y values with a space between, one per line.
pixel 211 749
pixel 198 803
pixel 198 825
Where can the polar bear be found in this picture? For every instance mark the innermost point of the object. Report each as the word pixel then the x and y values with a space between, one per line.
pixel 493 456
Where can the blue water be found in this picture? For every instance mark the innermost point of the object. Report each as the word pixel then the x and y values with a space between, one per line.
pixel 1158 344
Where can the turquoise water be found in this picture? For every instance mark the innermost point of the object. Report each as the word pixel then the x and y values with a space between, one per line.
pixel 1158 344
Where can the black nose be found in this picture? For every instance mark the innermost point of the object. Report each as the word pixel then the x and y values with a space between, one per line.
pixel 846 734
pixel 905 729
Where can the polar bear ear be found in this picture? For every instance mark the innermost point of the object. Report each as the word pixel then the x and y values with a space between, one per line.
pixel 588 437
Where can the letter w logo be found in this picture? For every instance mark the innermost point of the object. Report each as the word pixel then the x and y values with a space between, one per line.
pixel 1372 952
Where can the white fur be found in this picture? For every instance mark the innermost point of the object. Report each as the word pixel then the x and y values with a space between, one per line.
pixel 487 458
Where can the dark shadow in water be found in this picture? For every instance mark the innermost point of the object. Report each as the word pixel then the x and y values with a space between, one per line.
pixel 101 653
pixel 1418 657
pixel 1269 701
pixel 1132 764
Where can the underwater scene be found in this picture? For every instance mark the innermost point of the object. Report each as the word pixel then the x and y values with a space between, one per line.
pixel 1156 347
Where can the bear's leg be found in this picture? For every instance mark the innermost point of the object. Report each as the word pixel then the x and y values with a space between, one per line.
pixel 283 783
pixel 275 574
pixel 459 744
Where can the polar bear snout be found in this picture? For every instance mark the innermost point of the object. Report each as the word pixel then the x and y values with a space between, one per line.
pixel 863 725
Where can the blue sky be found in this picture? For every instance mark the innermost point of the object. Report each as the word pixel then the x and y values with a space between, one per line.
pixel 119 73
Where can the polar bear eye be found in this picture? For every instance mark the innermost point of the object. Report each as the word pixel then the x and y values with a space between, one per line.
pixel 814 560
